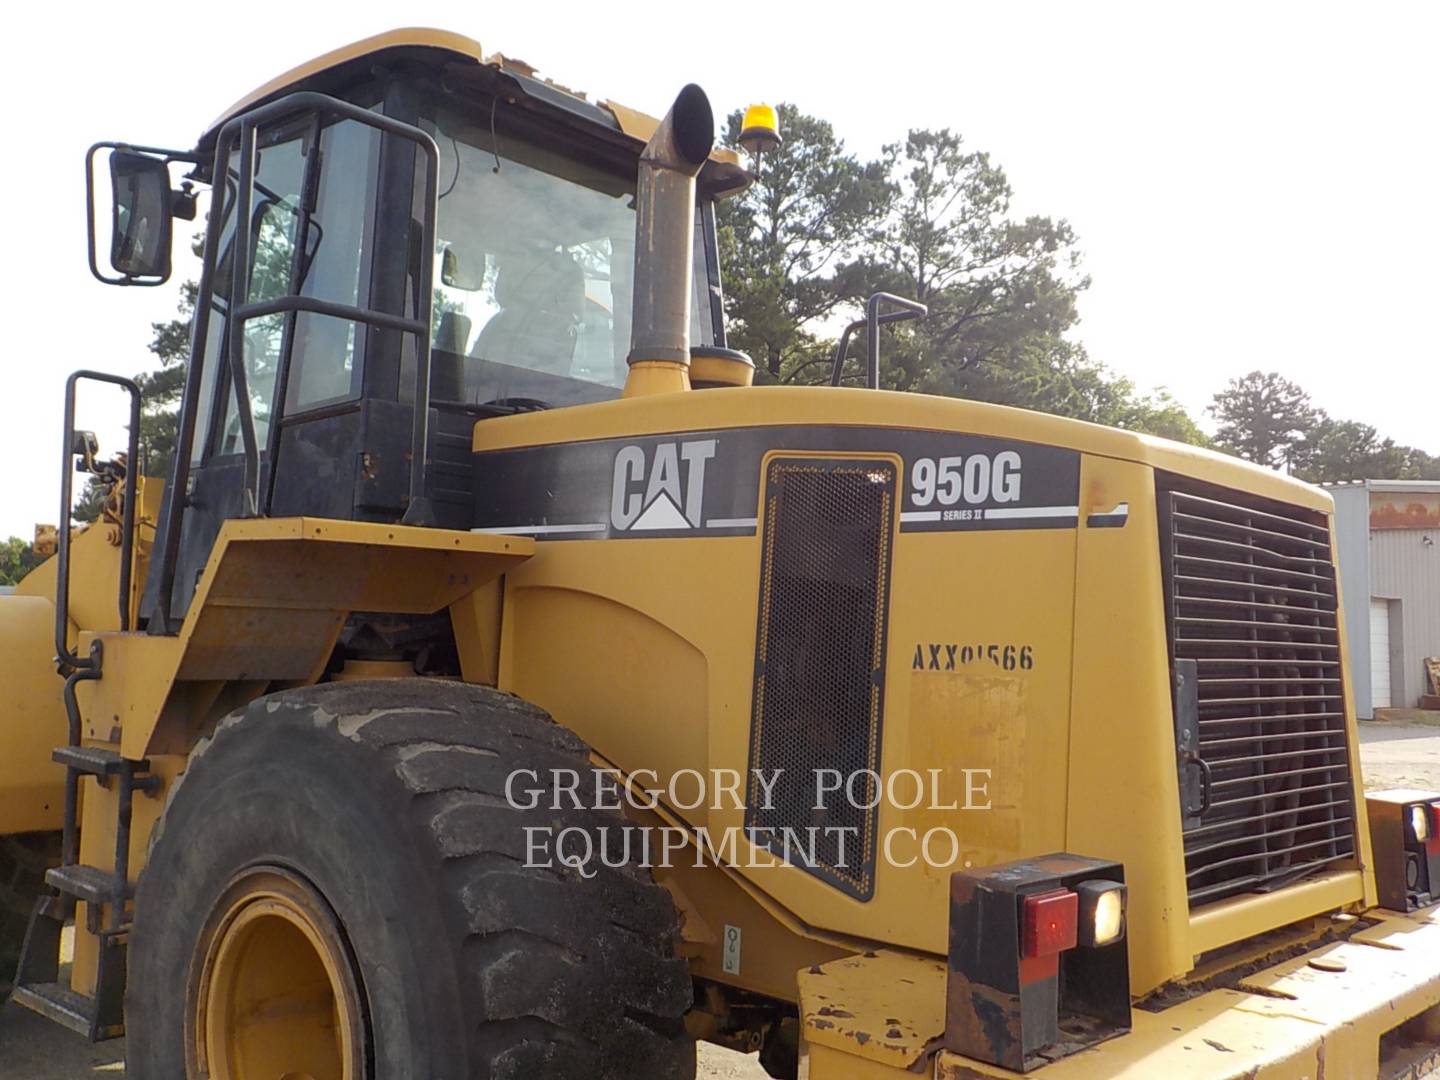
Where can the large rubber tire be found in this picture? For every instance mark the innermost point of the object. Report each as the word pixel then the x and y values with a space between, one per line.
pixel 24 858
pixel 388 798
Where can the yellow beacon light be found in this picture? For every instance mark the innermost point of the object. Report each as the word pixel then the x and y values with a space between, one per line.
pixel 760 132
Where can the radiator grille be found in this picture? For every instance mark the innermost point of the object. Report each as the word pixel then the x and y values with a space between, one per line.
pixel 1251 596
pixel 819 664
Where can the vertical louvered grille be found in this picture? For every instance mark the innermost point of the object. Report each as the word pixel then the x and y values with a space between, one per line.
pixel 1250 589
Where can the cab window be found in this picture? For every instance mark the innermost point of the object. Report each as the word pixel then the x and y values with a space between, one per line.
pixel 333 264
pixel 533 270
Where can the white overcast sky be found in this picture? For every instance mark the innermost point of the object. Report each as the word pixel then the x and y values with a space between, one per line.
pixel 1254 184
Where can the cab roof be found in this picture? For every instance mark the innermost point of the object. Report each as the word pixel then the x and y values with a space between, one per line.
pixel 450 47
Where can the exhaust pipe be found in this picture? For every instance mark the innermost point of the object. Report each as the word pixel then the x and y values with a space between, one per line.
pixel 665 246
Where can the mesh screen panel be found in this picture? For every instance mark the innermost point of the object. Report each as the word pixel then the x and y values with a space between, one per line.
pixel 1251 597
pixel 826 538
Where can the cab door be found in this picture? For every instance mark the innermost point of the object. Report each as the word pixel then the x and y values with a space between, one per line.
pixel 312 216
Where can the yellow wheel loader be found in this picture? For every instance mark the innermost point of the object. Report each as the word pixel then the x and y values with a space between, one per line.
pixel 499 685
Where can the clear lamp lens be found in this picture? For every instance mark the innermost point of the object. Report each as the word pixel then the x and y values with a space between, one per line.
pixel 1420 822
pixel 1109 917
pixel 1102 912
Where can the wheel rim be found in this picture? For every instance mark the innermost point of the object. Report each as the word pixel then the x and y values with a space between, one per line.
pixel 277 995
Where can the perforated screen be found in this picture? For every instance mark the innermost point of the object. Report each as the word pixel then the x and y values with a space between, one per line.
pixel 826 535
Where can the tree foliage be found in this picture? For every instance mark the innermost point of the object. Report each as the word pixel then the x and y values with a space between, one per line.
pixel 1262 417
pixel 17 558
pixel 1265 418
pixel 932 219
pixel 786 239
pixel 160 393
pixel 162 388
pixel 1000 290
pixel 1337 450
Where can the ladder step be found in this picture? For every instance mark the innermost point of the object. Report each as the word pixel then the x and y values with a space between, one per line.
pixel 88 883
pixel 41 984
pixel 59 1003
pixel 93 760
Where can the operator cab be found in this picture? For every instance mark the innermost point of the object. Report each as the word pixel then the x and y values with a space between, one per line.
pixel 522 283
pixel 535 261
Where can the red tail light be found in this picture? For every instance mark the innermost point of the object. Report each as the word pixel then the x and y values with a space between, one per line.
pixel 1051 923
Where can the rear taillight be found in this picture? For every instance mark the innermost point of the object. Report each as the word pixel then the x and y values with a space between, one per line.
pixel 1405 846
pixel 1050 923
pixel 1035 944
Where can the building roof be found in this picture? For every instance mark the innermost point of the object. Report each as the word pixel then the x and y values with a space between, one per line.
pixel 1414 487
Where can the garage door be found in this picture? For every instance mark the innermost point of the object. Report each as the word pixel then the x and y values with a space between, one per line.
pixel 1380 654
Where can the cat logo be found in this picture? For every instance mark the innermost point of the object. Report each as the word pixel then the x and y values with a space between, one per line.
pixel 663 489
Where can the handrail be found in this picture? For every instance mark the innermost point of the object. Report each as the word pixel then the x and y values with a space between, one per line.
pixel 235 327
pixel 910 309
pixel 63 654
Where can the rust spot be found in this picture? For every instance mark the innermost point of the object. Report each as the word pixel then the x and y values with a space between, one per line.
pixel 861 1037
pixel 893 1033
pixel 815 970
pixel 823 1025
pixel 870 955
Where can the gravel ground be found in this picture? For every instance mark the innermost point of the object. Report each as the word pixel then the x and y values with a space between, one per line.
pixel 32 1048
pixel 1399 753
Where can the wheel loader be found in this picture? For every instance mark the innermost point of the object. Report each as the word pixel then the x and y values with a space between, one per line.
pixel 498 684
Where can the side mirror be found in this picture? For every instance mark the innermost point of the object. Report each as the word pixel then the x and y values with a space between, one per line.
pixel 462 270
pixel 143 208
pixel 141 216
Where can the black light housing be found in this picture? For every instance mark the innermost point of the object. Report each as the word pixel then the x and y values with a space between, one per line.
pixel 1032 976
pixel 1405 841
pixel 1102 912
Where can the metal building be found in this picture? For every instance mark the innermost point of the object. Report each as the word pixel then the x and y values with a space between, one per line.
pixel 1386 533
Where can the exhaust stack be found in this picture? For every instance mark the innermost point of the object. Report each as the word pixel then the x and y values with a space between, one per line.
pixel 664 246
